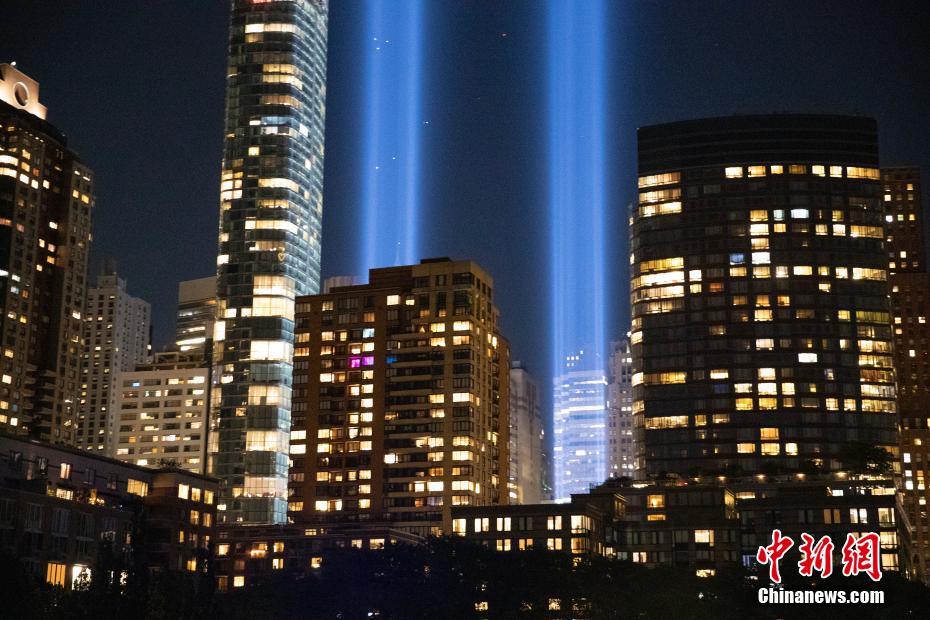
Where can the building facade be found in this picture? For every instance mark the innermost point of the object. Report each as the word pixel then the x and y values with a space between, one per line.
pixel 621 453
pixel 196 317
pixel 400 399
pixel 162 410
pixel 117 336
pixel 761 336
pixel 60 507
pixel 706 527
pixel 910 309
pixel 527 439
pixel 579 426
pixel 46 198
pixel 269 246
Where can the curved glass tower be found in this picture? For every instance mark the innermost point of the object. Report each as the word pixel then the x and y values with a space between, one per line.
pixel 761 333
pixel 269 246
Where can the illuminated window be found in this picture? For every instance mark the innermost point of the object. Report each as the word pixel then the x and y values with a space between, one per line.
pixel 55 574
pixel 734 172
pixel 662 208
pixel 659 179
pixel 137 487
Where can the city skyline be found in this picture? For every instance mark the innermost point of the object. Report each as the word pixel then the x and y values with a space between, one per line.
pixel 588 290
pixel 491 101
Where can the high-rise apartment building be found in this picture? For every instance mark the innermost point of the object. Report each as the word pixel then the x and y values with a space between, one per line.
pixel 621 454
pixel 269 246
pixel 163 410
pixel 579 426
pixel 761 333
pixel 910 310
pixel 400 399
pixel 46 197
pixel 196 316
pixel 527 438
pixel 117 336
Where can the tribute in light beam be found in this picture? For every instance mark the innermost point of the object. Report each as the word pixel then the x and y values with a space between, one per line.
pixel 576 91
pixel 391 155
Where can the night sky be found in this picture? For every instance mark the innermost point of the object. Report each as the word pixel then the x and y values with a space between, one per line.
pixel 138 86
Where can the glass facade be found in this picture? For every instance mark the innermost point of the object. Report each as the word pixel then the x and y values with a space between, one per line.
pixel 269 247
pixel 579 426
pixel 761 333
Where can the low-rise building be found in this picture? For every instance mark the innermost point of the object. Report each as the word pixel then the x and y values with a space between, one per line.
pixel 247 555
pixel 60 508
pixel 705 525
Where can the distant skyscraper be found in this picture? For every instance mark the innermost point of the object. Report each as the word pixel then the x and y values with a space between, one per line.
pixel 117 336
pixel 196 316
pixel 910 310
pixel 527 438
pixel 269 247
pixel 579 426
pixel 620 450
pixel 400 399
pixel 46 198
pixel 163 407
pixel 761 333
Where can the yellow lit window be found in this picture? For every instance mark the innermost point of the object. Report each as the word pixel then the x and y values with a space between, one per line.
pixel 652 180
pixel 770 449
pixel 55 574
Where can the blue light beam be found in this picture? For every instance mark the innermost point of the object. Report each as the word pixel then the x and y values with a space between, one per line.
pixel 393 95
pixel 576 107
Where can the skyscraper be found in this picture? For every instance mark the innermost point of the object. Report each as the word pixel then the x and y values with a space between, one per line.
pixel 620 450
pixel 400 399
pixel 46 197
pixel 527 438
pixel 196 316
pixel 117 336
pixel 761 334
pixel 910 310
pixel 269 246
pixel 579 426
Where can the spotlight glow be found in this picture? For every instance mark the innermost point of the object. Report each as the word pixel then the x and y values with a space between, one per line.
pixel 576 93
pixel 392 133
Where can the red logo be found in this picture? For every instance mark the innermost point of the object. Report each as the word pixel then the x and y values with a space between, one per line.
pixel 773 553
pixel 816 557
pixel 862 555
